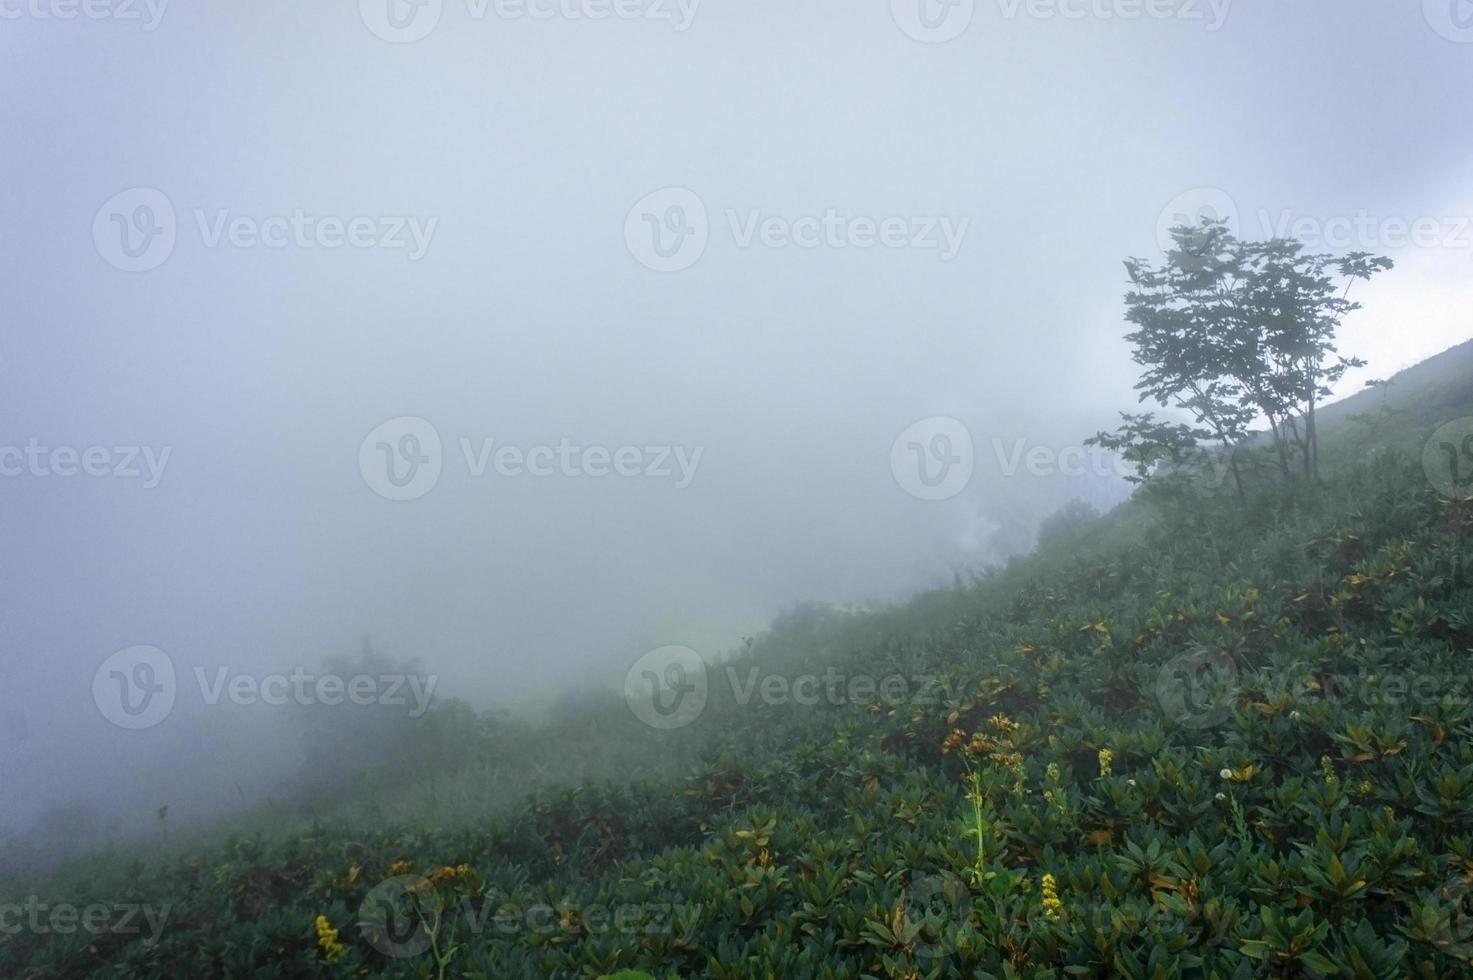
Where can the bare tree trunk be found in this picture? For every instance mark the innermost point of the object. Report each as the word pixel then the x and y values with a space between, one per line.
pixel 1237 477
pixel 1280 445
pixel 1314 437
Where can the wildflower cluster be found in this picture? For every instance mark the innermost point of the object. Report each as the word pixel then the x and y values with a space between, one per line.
pixel 975 751
pixel 327 940
pixel 447 875
pixel 1052 906
pixel 1000 750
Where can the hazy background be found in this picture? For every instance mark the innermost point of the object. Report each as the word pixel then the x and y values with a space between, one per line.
pixel 1064 143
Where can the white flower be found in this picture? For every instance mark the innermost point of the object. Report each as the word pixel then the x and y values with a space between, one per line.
pixel 1221 796
pixel 1226 774
pixel 1130 782
pixel 1294 716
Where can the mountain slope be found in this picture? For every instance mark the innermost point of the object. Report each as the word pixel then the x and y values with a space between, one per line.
pixel 1207 744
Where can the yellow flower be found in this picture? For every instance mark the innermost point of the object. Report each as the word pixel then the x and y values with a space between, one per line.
pixel 401 868
pixel 327 939
pixel 1052 907
pixel 1106 758
pixel 460 872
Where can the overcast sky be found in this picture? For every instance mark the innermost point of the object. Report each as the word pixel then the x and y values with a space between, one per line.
pixel 735 249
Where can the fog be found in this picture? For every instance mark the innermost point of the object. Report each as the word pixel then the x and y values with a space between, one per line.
pixel 539 342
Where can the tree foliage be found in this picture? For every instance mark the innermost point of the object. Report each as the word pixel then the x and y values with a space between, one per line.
pixel 1231 332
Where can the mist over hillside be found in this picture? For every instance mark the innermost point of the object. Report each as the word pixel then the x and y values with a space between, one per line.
pixel 550 453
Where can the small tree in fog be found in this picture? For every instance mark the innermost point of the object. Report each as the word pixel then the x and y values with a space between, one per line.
pixel 1230 331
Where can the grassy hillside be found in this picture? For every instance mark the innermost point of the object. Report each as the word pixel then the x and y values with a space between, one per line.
pixel 1199 742
pixel 1405 408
